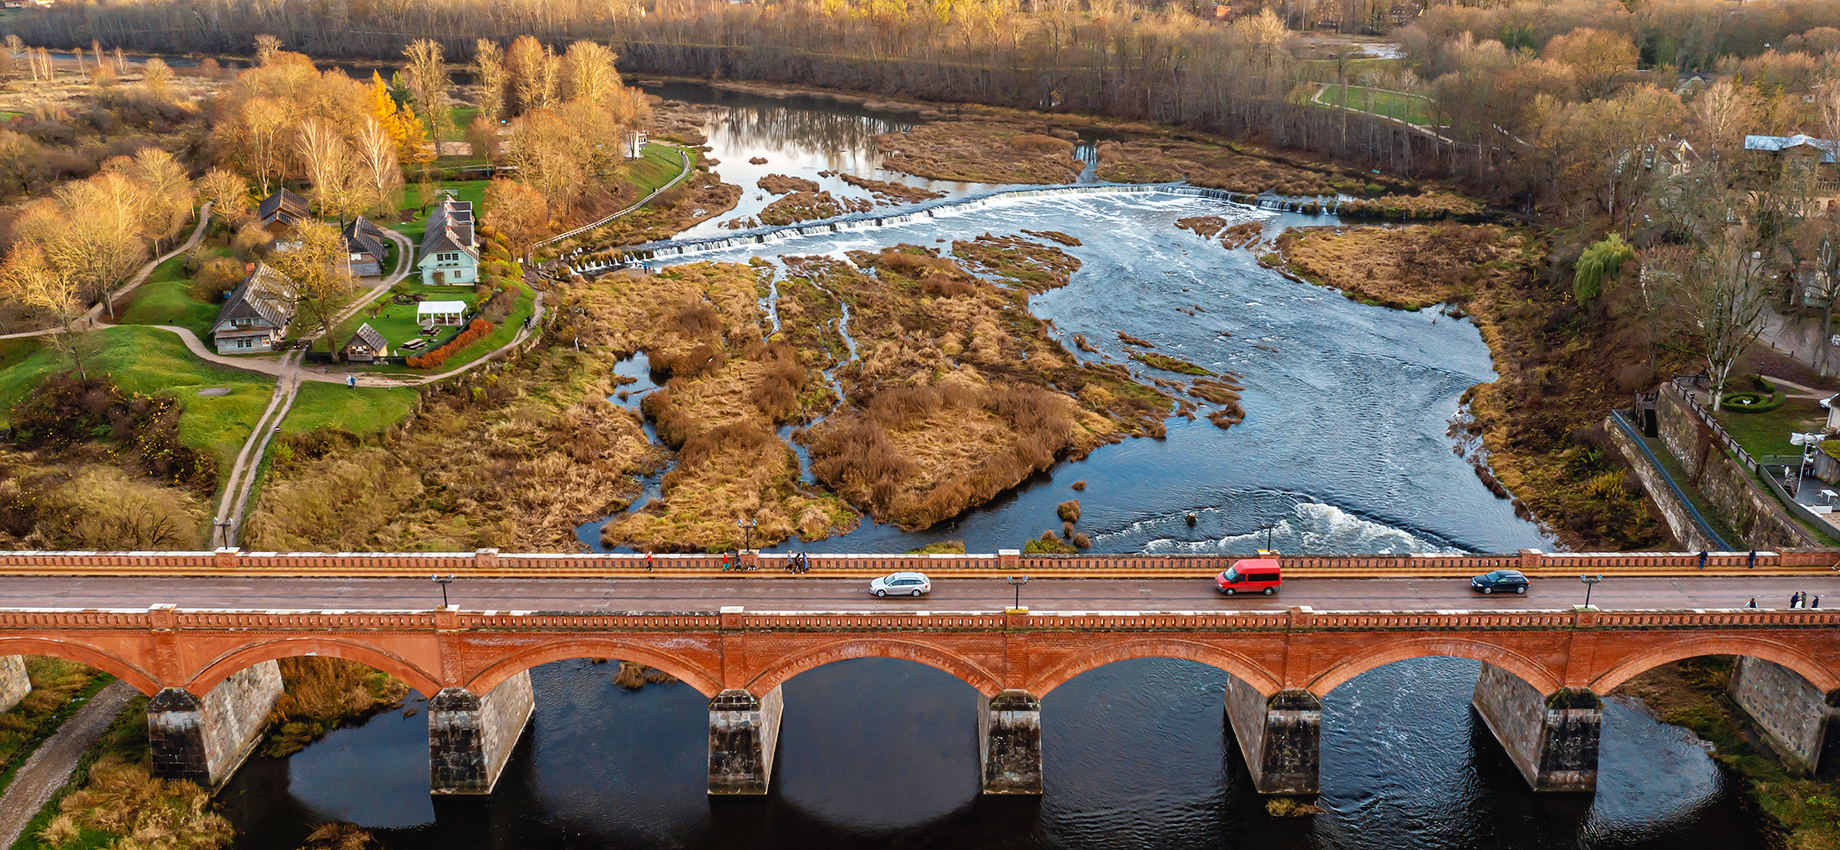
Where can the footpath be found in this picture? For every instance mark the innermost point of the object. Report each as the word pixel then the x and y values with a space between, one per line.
pixel 49 767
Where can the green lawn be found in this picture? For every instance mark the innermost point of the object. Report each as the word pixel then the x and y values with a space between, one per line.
pixel 1412 110
pixel 463 118
pixel 395 321
pixel 364 410
pixel 165 299
pixel 149 361
pixel 1768 433
pixel 499 335
pixel 659 166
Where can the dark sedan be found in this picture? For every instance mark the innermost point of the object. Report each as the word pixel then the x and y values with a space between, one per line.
pixel 1505 581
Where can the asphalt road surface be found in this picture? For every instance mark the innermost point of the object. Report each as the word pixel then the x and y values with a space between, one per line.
pixel 806 593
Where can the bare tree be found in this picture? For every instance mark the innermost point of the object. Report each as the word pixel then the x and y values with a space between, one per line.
pixel 489 75
pixel 263 121
pixel 327 161
pixel 155 76
pixel 426 76
pixel 101 239
pixel 166 191
pixel 27 280
pixel 378 168
pixel 588 72
pixel 1721 293
pixel 227 193
pixel 266 48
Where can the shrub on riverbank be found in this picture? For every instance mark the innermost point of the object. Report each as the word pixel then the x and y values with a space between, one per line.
pixel 321 694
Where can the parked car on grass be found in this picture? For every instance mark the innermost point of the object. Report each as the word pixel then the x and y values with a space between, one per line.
pixel 1504 581
pixel 901 584
pixel 1251 575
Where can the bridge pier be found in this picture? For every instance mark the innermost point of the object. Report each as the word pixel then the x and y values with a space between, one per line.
pixel 470 737
pixel 1551 739
pixel 206 739
pixel 1802 723
pixel 1281 737
pixel 1009 742
pixel 14 683
pixel 743 736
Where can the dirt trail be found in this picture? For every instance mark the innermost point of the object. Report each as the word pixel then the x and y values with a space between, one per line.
pixel 49 767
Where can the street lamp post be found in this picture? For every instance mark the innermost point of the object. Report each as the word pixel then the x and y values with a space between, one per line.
pixel 223 530
pixel 443 581
pixel 1017 582
pixel 747 530
pixel 1589 581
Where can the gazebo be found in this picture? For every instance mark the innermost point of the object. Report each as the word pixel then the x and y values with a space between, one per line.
pixel 430 314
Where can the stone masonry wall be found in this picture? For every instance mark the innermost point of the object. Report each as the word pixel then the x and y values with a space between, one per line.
pixel 1246 714
pixel 471 737
pixel 1280 737
pixel 1781 702
pixel 205 739
pixel 1753 513
pixel 1552 740
pixel 1009 743
pixel 743 737
pixel 1679 518
pixel 1514 711
pixel 14 683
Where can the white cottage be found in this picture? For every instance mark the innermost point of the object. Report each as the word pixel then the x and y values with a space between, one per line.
pixel 449 253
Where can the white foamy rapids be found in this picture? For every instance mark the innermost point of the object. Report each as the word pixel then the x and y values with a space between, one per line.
pixel 1317 529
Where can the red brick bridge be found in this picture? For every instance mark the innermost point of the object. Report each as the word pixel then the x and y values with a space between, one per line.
pixel 211 675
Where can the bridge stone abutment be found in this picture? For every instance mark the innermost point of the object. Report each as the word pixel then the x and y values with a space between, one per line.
pixel 743 736
pixel 1009 742
pixel 1552 739
pixel 1802 723
pixel 205 739
pixel 1280 736
pixel 470 737
pixel 14 683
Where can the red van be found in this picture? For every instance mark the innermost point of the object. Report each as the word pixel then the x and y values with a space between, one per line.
pixel 1252 575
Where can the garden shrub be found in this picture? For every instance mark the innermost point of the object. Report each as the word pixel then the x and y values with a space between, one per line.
pixel 473 333
pixel 1752 402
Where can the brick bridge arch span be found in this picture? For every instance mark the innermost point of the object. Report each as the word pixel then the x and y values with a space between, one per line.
pixel 1371 657
pixel 1232 663
pixel 82 653
pixel 242 658
pixel 689 672
pixel 1817 673
pixel 968 671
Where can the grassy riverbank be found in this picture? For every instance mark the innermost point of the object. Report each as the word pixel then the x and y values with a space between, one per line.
pixel 322 694
pixel 59 688
pixel 1804 812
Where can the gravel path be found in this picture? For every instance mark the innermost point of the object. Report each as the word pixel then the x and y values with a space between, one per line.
pixel 50 765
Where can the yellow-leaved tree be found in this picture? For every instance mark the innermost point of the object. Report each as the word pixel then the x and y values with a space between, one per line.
pixel 407 130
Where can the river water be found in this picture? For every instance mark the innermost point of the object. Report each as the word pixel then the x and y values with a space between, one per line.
pixel 1344 450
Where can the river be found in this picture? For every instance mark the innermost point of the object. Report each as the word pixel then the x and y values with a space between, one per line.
pixel 1345 449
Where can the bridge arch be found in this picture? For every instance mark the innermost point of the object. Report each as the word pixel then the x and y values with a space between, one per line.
pixel 968 671
pixel 242 658
pixel 1368 658
pixel 1817 673
pixel 1232 663
pixel 686 671
pixel 82 653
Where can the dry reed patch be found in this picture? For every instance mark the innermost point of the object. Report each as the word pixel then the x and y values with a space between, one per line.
pixel 1246 234
pixel 121 799
pixel 891 193
pixel 1559 369
pixel 1428 205
pixel 339 835
pixel 322 694
pixel 81 499
pixel 1066 239
pixel 810 206
pixel 1205 226
pixel 633 676
pixel 979 152
pixel 1034 266
pixel 781 184
pixel 1214 166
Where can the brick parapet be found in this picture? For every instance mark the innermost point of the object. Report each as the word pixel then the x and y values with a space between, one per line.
pixel 489 562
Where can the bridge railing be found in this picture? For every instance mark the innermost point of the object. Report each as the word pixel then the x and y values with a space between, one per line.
pixel 490 563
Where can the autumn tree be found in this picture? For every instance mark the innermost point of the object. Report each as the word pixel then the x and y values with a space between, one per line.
pixel 227 193
pixel 588 72
pixel 322 281
pixel 378 168
pixel 1598 56
pixel 518 212
pixel 531 74
pixel 328 163
pixel 29 281
pixel 256 136
pixel 92 232
pixel 266 48
pixel 489 77
pixel 165 187
pixel 426 75
pixel 156 77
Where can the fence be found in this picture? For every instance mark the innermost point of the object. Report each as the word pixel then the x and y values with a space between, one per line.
pixel 682 156
pixel 1796 510
pixel 1699 521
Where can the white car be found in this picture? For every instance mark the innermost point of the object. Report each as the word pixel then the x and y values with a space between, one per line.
pixel 901 584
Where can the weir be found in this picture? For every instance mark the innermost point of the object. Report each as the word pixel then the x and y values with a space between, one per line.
pixel 205 739
pixel 470 737
pixel 672 248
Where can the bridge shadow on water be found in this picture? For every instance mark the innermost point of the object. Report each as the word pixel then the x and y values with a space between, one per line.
pixel 882 753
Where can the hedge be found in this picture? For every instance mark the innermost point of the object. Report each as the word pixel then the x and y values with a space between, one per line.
pixel 1751 402
pixel 473 333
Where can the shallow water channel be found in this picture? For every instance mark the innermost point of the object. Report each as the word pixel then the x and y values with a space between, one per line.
pixel 1344 450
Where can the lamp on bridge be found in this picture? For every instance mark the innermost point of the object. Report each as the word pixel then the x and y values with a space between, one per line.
pixel 1017 582
pixel 223 529
pixel 747 530
pixel 443 581
pixel 1267 527
pixel 1588 582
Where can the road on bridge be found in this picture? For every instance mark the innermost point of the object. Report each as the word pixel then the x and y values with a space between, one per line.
pixel 810 593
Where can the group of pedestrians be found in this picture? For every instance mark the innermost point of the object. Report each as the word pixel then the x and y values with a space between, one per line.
pixel 1798 599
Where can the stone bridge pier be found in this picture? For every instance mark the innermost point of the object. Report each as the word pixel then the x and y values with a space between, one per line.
pixel 1009 742
pixel 1801 722
pixel 205 739
pixel 1551 738
pixel 1280 737
pixel 743 736
pixel 14 683
pixel 470 737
